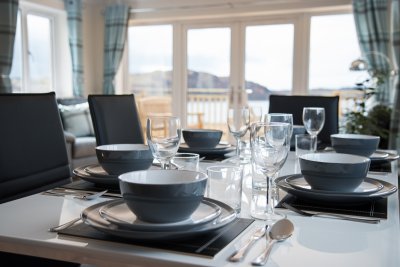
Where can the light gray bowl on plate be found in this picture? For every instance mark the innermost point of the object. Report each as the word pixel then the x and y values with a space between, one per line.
pixel 334 171
pixel 120 158
pixel 163 196
pixel 356 144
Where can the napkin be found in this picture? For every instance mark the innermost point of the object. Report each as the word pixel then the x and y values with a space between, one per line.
pixel 370 209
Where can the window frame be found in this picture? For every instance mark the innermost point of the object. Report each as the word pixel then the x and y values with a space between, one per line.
pixel 301 21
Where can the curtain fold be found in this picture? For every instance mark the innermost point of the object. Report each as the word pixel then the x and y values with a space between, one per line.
pixel 8 24
pixel 115 30
pixel 74 14
pixel 394 140
pixel 373 31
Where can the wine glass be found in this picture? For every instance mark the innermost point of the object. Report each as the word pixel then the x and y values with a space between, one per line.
pixel 269 152
pixel 313 120
pixel 163 137
pixel 238 124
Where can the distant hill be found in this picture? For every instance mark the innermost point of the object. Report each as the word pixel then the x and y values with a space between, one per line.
pixel 163 79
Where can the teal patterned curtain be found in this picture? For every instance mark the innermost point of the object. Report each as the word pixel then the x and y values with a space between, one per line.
pixel 74 13
pixel 394 140
pixel 116 23
pixel 8 24
pixel 372 24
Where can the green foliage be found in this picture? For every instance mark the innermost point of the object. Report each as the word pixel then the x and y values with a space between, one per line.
pixel 376 122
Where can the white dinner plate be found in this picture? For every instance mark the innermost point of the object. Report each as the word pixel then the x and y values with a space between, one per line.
pixel 387 190
pixel 98 171
pixel 368 186
pixel 119 213
pixel 91 216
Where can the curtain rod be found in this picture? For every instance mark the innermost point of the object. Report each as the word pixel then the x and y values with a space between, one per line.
pixel 202 6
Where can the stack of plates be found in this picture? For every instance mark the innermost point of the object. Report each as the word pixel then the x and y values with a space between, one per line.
pixel 220 149
pixel 115 218
pixel 369 189
pixel 94 173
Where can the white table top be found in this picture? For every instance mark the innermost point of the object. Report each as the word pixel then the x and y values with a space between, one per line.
pixel 315 241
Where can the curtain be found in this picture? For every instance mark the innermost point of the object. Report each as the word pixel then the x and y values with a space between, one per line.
pixel 394 140
pixel 74 14
pixel 8 24
pixel 372 24
pixel 116 22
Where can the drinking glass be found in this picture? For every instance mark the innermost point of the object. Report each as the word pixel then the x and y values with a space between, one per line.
pixel 313 120
pixel 163 137
pixel 282 117
pixel 269 152
pixel 238 124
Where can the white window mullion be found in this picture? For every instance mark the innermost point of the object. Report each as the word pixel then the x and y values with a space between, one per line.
pixel 179 75
pixel 301 55
pixel 25 52
pixel 235 83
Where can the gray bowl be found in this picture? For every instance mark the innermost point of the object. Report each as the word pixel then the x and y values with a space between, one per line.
pixel 203 138
pixel 120 158
pixel 163 196
pixel 356 144
pixel 334 171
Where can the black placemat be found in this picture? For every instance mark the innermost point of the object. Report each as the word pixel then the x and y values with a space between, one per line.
pixel 380 166
pixel 207 244
pixel 371 209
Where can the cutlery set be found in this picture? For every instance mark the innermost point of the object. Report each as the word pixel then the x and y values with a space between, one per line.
pixel 279 231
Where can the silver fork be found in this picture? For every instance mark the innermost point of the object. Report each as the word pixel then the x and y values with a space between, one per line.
pixel 332 216
pixel 91 196
pixel 239 254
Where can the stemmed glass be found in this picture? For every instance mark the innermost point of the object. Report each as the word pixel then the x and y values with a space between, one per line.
pixel 238 124
pixel 163 137
pixel 269 152
pixel 313 120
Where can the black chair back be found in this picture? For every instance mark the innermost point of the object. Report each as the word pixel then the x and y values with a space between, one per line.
pixel 294 104
pixel 115 119
pixel 33 154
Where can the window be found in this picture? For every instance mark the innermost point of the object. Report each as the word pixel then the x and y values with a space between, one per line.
pixel 39 53
pixel 307 53
pixel 150 60
pixel 41 60
pixel 208 77
pixel 333 46
pixel 268 61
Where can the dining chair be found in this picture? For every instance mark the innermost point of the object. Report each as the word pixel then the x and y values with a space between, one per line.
pixel 115 119
pixel 33 154
pixel 294 104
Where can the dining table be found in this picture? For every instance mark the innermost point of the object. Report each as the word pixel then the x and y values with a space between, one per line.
pixel 315 241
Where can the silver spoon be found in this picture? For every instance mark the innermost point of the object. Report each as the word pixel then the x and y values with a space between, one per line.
pixel 280 231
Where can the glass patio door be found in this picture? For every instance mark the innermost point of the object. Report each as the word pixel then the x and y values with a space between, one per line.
pixel 208 80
